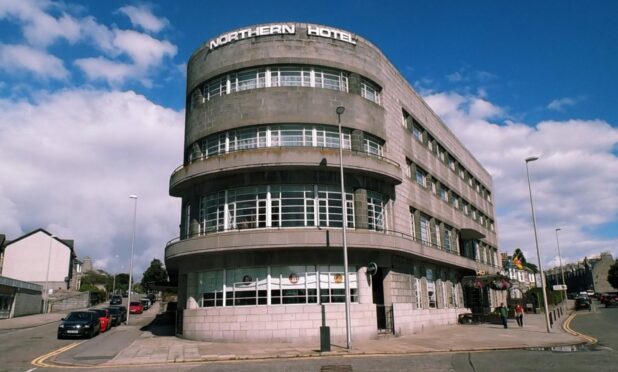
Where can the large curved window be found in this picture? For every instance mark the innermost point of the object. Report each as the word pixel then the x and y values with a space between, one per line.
pixel 274 285
pixel 281 76
pixel 284 135
pixel 272 76
pixel 274 206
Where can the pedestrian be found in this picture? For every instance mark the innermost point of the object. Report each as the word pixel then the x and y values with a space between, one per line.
pixel 504 313
pixel 519 315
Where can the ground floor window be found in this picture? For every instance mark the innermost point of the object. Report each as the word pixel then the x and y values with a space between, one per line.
pixel 274 285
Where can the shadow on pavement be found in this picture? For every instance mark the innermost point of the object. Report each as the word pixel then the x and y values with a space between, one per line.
pixel 161 325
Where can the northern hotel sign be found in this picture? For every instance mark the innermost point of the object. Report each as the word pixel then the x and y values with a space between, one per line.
pixel 280 29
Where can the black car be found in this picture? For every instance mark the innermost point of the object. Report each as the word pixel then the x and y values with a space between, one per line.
pixel 123 312
pixel 582 303
pixel 79 324
pixel 116 314
pixel 115 300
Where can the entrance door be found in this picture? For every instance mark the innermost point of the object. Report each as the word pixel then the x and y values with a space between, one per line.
pixel 377 288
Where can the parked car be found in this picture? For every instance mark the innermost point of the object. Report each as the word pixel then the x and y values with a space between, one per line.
pixel 104 317
pixel 152 297
pixel 115 300
pixel 136 307
pixel 146 303
pixel 116 314
pixel 79 324
pixel 582 303
pixel 123 312
pixel 611 300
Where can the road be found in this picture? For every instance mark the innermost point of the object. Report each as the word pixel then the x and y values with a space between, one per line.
pixel 19 347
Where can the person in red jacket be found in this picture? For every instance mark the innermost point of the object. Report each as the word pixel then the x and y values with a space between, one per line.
pixel 519 315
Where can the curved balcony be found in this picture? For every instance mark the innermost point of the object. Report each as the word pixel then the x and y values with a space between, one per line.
pixel 312 237
pixel 282 158
pixel 283 105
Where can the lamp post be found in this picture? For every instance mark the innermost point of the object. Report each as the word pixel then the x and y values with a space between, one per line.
pixel 134 197
pixel 536 241
pixel 46 298
pixel 560 261
pixel 344 211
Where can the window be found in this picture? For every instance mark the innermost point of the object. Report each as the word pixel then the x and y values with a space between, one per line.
pixel 421 177
pixel 431 288
pixel 412 224
pixel 444 193
pixel 370 91
pixel 375 211
pixel 288 135
pixel 448 238
pixel 372 145
pixel 454 200
pixel 417 132
pixel 425 229
pixel 452 163
pixel 417 293
pixel 283 206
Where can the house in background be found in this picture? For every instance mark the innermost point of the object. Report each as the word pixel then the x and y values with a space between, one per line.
pixel 587 274
pixel 40 258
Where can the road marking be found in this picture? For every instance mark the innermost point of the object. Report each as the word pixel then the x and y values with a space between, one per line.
pixel 40 361
pixel 31 369
pixel 567 328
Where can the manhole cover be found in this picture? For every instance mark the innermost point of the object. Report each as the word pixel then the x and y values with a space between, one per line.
pixel 336 368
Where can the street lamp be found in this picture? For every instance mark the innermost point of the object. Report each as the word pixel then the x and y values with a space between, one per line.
pixel 134 197
pixel 536 240
pixel 560 260
pixel 46 298
pixel 344 210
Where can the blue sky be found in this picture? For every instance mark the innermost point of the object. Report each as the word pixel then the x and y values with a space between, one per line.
pixel 92 95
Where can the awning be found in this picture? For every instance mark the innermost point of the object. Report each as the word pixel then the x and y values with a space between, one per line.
pixel 468 234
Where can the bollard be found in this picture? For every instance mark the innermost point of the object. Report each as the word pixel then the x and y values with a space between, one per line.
pixel 324 333
pixel 551 320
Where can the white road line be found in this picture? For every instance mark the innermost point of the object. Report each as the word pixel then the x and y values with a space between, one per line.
pixel 31 369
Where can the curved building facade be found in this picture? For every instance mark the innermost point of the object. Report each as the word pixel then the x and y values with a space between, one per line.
pixel 260 249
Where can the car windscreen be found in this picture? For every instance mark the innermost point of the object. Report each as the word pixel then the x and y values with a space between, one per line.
pixel 83 316
pixel 100 312
pixel 114 310
pixel 135 303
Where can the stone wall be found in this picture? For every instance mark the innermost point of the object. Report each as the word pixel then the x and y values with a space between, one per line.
pixel 26 303
pixel 409 320
pixel 78 301
pixel 285 323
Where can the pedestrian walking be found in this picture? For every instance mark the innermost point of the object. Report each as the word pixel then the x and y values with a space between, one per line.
pixel 504 313
pixel 519 315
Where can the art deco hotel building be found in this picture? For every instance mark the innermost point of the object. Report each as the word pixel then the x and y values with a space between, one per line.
pixel 260 252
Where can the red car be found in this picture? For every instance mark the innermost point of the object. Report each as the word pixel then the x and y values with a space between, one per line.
pixel 136 307
pixel 105 318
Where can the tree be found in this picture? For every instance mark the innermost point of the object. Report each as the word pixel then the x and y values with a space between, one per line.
pixel 154 275
pixel 612 275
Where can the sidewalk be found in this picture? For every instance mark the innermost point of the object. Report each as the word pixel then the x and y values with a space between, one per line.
pixel 29 321
pixel 149 348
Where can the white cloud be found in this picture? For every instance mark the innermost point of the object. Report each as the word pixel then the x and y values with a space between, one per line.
pixel 100 68
pixel 142 17
pixel 143 49
pixel 21 58
pixel 560 104
pixel 574 182
pixel 70 160
pixel 39 27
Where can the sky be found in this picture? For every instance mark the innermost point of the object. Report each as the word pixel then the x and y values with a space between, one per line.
pixel 92 109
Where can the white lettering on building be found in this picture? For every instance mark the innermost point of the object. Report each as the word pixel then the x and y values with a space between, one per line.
pixel 276 29
pixel 331 33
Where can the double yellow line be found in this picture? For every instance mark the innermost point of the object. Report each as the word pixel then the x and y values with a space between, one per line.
pixel 40 361
pixel 567 327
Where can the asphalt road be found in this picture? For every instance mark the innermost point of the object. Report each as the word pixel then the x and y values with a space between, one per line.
pixel 19 347
pixel 601 324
